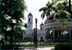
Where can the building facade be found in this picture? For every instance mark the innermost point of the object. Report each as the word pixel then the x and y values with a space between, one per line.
pixel 30 31
pixel 29 24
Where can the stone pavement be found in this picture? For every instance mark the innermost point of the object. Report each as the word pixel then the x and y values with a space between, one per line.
pixel 46 48
pixel 28 48
pixel 39 48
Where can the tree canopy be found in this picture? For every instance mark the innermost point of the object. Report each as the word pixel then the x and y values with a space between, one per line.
pixel 59 7
pixel 11 13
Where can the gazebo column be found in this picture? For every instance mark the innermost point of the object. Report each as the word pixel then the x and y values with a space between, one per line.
pixel 69 33
pixel 53 34
pixel 47 34
pixel 60 34
pixel 57 35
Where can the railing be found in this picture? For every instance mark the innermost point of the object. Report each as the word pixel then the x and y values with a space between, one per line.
pixel 58 23
pixel 50 21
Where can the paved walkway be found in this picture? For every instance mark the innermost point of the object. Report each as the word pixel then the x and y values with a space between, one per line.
pixel 29 48
pixel 39 48
pixel 46 48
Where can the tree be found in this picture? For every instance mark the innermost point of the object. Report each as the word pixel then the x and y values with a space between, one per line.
pixel 1 21
pixel 25 25
pixel 18 32
pixel 57 6
pixel 12 12
pixel 60 9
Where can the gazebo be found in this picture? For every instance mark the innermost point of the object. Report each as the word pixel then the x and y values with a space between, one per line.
pixel 58 29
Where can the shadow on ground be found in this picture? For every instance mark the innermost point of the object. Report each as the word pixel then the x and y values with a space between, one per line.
pixel 18 48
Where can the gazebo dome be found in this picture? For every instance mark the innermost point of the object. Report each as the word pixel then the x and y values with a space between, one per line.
pixel 62 15
pixel 30 14
pixel 50 17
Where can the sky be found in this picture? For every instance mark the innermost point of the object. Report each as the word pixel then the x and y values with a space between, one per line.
pixel 33 6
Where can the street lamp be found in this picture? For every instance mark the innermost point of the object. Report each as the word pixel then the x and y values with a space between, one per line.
pixel 69 5
pixel 0 41
pixel 35 34
pixel 36 30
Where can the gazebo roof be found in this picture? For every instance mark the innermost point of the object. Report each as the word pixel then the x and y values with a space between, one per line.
pixel 62 15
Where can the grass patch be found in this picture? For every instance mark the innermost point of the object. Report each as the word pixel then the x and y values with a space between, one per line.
pixel 63 46
pixel 32 44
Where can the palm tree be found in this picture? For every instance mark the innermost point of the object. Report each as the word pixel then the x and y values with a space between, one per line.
pixel 60 9
pixel 46 10
pixel 69 4
pixel 54 6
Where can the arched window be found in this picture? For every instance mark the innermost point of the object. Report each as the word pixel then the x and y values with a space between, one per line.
pixel 29 20
pixel 41 28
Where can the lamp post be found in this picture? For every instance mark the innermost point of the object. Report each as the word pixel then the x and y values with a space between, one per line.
pixel 70 6
pixel 35 34
pixel 71 13
pixel 1 26
pixel 0 41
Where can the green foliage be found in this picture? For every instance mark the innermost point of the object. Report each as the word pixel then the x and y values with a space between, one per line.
pixel 63 46
pixel 46 10
pixel 11 13
pixel 12 10
pixel 32 44
pixel 18 32
pixel 25 25
pixel 1 26
pixel 58 7
pixel 52 49
pixel 1 20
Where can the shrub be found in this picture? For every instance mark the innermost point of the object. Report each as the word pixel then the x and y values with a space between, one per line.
pixel 52 49
pixel 63 46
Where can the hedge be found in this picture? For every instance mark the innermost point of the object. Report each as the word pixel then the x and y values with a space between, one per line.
pixel 63 46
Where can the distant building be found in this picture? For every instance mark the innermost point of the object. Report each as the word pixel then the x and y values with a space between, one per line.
pixel 41 32
pixel 30 31
pixel 29 24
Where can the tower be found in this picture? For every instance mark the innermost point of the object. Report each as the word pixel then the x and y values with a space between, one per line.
pixel 41 32
pixel 30 21
pixel 42 27
pixel 29 24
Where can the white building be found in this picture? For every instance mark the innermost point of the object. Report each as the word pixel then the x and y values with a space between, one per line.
pixel 29 24
pixel 29 30
pixel 40 32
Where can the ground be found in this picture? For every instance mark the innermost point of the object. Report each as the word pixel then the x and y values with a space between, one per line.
pixel 39 48
pixel 48 47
